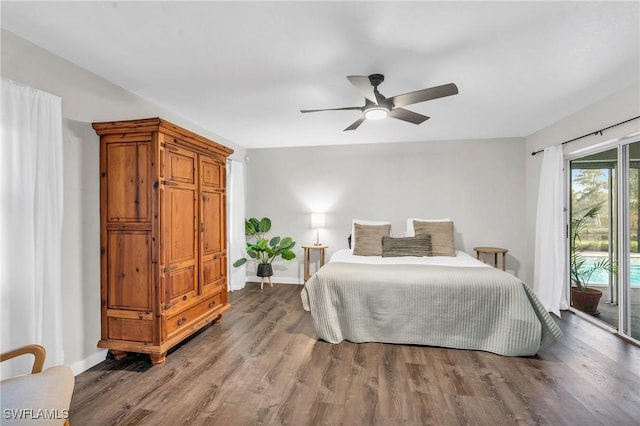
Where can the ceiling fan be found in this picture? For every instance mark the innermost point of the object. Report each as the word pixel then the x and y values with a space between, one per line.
pixel 377 106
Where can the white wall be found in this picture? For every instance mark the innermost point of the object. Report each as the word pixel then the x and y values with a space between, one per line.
pixel 477 183
pixel 613 109
pixel 86 98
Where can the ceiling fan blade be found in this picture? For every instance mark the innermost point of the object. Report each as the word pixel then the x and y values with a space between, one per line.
pixel 406 115
pixel 363 85
pixel 355 124
pixel 331 109
pixel 424 95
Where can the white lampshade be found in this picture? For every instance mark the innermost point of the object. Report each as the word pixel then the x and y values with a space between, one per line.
pixel 317 220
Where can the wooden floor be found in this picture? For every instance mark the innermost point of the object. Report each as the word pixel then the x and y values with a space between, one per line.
pixel 262 365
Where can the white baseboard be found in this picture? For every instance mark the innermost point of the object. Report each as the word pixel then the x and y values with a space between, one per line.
pixel 276 280
pixel 87 363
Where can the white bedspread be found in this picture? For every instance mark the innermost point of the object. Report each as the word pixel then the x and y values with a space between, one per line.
pixel 426 301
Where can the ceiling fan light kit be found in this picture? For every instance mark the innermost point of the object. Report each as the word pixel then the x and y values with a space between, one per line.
pixel 376 113
pixel 377 106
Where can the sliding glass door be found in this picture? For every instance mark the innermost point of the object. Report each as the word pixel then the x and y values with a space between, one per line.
pixel 603 237
pixel 592 235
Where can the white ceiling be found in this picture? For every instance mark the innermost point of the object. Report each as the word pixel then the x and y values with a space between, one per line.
pixel 243 70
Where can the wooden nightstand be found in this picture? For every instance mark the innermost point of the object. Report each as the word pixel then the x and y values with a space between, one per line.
pixel 307 256
pixel 494 251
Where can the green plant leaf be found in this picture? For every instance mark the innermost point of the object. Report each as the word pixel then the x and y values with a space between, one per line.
pixel 252 254
pixel 249 228
pixel 240 262
pixel 288 255
pixel 274 241
pixel 264 225
pixel 254 222
pixel 287 243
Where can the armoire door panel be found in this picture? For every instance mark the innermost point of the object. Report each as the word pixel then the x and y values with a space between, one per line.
pixel 212 172
pixel 127 177
pixel 180 225
pixel 129 270
pixel 179 165
pixel 212 218
pixel 181 283
pixel 213 272
pixel 212 223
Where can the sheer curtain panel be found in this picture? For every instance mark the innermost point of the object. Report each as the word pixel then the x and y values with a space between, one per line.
pixel 549 269
pixel 30 221
pixel 235 208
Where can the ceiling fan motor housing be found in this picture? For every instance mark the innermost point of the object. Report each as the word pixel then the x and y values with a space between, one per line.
pixel 376 79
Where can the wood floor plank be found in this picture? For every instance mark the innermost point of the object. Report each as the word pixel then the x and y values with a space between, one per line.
pixel 263 365
pixel 615 349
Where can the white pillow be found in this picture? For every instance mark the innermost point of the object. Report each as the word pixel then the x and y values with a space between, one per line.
pixel 412 232
pixel 364 222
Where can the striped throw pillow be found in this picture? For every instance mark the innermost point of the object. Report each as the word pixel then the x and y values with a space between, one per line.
pixel 419 246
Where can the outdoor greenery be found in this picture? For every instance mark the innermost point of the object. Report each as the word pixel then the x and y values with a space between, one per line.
pixel 261 249
pixel 580 270
pixel 590 187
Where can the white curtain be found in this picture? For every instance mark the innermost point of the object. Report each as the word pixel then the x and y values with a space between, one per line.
pixel 30 221
pixel 235 215
pixel 549 269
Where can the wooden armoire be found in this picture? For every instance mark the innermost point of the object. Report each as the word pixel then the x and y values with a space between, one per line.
pixel 163 235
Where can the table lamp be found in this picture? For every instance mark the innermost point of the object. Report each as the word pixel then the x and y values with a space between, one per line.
pixel 317 222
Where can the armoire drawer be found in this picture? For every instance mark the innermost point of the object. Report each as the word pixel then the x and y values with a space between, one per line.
pixel 184 318
pixel 134 330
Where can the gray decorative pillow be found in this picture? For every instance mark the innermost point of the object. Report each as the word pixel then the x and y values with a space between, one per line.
pixel 368 239
pixel 441 236
pixel 419 246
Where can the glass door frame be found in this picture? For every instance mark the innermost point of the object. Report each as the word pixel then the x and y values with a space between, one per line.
pixel 623 231
pixel 624 241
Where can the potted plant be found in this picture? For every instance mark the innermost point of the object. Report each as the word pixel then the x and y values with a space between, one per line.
pixel 582 297
pixel 262 250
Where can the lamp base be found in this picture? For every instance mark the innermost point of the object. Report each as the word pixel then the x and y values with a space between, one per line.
pixel 317 244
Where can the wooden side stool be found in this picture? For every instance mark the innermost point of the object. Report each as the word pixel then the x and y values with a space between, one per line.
pixel 494 251
pixel 307 256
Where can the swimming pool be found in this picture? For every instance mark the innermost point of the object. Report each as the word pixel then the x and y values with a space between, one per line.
pixel 602 277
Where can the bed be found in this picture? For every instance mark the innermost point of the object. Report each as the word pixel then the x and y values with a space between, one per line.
pixel 452 301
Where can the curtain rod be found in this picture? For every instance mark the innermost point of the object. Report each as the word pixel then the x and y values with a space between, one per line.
pixel 592 133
